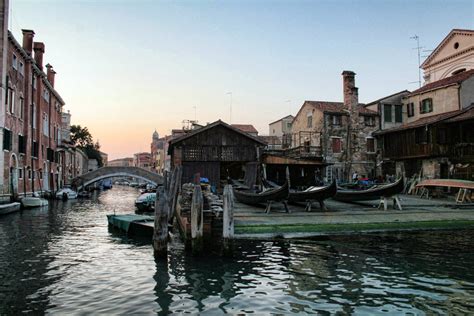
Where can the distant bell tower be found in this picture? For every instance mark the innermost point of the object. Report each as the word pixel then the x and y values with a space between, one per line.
pixel 156 137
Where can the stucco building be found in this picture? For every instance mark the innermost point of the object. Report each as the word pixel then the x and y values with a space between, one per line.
pixel 121 162
pixel 453 55
pixel 338 132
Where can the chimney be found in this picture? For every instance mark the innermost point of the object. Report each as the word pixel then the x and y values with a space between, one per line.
pixel 28 40
pixel 50 74
pixel 351 92
pixel 38 47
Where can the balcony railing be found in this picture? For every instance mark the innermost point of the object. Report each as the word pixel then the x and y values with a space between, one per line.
pixel 304 152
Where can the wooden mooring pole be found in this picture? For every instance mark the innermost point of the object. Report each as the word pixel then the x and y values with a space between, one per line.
pixel 228 220
pixel 197 221
pixel 160 233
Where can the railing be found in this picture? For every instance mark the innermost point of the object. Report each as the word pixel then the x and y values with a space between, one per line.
pixel 304 152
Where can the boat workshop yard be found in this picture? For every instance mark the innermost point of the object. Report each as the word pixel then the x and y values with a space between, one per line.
pixel 341 218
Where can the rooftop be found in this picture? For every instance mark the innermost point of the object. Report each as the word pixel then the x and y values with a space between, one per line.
pixel 456 79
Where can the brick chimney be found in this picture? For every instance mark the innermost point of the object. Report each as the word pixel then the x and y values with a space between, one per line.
pixel 28 40
pixel 50 74
pixel 351 92
pixel 38 47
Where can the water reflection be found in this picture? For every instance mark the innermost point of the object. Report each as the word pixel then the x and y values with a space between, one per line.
pixel 65 260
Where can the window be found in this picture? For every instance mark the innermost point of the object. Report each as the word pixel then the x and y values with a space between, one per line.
pixel 398 113
pixel 7 140
pixel 21 68
pixel 426 105
pixel 20 173
pixel 33 82
pixel 46 95
pixel 45 124
pixel 21 108
pixel 370 145
pixel 335 120
pixel 11 101
pixel 29 173
pixel 387 113
pixel 33 115
pixel 21 144
pixel 309 123
pixel 34 149
pixel 15 62
pixel 288 125
pixel 410 109
pixel 336 145
pixel 369 121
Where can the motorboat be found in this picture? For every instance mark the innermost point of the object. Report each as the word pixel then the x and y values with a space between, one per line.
pixel 146 202
pixel 33 201
pixel 9 208
pixel 66 194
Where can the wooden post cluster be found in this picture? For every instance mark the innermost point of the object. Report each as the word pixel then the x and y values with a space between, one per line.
pixel 160 233
pixel 197 221
pixel 228 220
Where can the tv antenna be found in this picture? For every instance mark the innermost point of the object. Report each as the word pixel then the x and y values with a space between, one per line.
pixel 418 48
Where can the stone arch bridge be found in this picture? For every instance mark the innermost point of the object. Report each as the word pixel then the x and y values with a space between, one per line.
pixel 109 172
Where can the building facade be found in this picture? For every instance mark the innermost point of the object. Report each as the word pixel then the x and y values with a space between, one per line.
pixel 436 140
pixel 453 55
pixel 121 162
pixel 33 117
pixel 340 133
pixel 142 160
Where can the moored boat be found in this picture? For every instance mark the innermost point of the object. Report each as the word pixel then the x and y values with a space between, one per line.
pixel 252 198
pixel 373 193
pixel 32 201
pixel 146 202
pixel 9 208
pixel 318 194
pixel 66 194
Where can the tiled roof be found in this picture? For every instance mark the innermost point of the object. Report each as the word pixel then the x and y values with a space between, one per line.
pixel 448 117
pixel 338 107
pixel 288 116
pixel 389 96
pixel 246 128
pixel 445 82
pixel 443 43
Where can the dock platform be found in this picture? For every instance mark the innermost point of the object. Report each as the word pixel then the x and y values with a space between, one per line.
pixel 348 218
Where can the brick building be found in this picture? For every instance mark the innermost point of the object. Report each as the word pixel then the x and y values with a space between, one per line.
pixel 33 111
pixel 142 160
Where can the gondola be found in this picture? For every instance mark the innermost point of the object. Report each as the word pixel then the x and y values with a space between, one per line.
pixel 374 193
pixel 279 194
pixel 318 194
pixel 252 198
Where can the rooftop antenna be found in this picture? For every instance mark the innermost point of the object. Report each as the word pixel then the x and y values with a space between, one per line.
pixel 230 115
pixel 418 48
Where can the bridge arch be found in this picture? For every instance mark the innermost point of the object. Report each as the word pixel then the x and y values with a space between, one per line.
pixel 109 172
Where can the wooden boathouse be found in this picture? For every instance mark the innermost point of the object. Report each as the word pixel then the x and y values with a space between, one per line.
pixel 217 151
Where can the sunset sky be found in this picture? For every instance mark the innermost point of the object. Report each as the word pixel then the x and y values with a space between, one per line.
pixel 126 68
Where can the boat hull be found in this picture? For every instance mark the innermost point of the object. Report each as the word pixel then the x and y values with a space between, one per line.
pixel 276 195
pixel 30 202
pixel 370 194
pixel 316 195
pixel 9 208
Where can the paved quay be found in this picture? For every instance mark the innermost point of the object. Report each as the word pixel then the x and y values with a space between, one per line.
pixel 417 214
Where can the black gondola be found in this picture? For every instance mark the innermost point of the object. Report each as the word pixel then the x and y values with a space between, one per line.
pixel 266 197
pixel 374 193
pixel 315 195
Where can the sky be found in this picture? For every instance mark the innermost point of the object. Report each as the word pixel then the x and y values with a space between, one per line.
pixel 126 68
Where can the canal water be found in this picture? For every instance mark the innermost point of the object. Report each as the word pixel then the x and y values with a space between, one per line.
pixel 65 260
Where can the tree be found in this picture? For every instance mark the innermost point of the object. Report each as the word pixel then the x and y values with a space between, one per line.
pixel 80 136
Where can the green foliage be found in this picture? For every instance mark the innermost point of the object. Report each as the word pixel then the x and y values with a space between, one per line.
pixel 82 138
